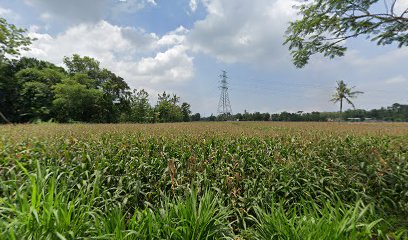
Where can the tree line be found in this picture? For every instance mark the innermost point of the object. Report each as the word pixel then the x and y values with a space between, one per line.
pixel 34 90
pixel 394 113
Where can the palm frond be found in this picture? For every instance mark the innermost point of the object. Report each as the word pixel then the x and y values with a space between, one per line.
pixel 354 94
pixel 350 102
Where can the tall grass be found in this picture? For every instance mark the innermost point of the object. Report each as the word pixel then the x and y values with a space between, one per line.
pixel 193 182
pixel 45 208
pixel 311 221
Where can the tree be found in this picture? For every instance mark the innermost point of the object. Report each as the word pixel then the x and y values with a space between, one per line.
pixel 266 116
pixel 9 92
pixel 26 62
pixel 35 92
pixel 12 40
pixel 75 101
pixel 344 93
pixel 167 108
pixel 140 109
pixel 326 24
pixel 212 118
pixel 25 87
pixel 85 65
pixel 196 117
pixel 114 88
pixel 185 110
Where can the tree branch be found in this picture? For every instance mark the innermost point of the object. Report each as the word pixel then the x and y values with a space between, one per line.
pixel 4 118
pixel 392 7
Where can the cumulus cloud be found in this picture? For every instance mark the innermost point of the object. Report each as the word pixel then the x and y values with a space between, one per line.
pixel 177 36
pixel 171 65
pixel 92 39
pixel 130 52
pixel 242 31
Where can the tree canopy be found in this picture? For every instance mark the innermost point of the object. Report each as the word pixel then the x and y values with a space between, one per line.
pixel 324 25
pixel 12 40
pixel 35 90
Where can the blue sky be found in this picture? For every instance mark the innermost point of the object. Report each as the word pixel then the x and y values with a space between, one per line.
pixel 181 46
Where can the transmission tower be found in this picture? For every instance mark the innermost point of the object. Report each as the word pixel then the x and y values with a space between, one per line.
pixel 224 105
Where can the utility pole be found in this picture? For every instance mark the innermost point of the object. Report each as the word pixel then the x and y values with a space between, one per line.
pixel 224 106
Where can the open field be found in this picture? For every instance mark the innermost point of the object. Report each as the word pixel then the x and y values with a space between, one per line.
pixel 232 180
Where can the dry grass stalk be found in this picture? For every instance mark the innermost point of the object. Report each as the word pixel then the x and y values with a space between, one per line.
pixel 172 172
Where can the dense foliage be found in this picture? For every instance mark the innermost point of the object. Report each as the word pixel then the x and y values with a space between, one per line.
pixel 324 26
pixel 32 90
pixel 12 40
pixel 395 113
pixel 204 181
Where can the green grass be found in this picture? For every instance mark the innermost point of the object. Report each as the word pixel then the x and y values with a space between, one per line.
pixel 221 181
pixel 311 221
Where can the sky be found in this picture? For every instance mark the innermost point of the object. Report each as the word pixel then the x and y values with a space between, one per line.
pixel 181 47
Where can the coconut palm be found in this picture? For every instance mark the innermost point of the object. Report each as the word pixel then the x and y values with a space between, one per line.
pixel 344 93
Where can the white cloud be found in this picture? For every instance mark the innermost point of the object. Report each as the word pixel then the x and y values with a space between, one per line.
pixel 4 11
pixel 132 6
pixel 45 16
pixel 172 65
pixel 193 5
pixel 396 80
pixel 8 14
pixel 177 36
pixel 124 50
pixel 153 2
pixel 389 58
pixel 243 31
pixel 91 39
pixel 401 6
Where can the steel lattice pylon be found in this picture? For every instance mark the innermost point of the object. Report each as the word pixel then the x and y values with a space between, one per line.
pixel 224 105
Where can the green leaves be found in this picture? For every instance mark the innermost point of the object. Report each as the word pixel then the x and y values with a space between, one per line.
pixel 326 24
pixel 311 221
pixel 225 180
pixel 12 40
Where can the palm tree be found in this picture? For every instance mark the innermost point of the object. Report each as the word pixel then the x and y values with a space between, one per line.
pixel 344 92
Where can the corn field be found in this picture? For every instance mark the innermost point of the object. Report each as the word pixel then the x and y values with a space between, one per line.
pixel 204 181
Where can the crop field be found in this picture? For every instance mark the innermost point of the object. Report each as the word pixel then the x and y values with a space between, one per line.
pixel 231 180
